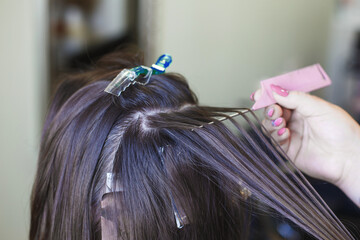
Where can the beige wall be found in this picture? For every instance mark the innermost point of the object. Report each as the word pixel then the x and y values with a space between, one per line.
pixel 225 47
pixel 22 84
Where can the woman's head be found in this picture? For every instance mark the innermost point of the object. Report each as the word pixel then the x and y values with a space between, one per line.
pixel 153 164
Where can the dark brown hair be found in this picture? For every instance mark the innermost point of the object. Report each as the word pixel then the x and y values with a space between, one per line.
pixel 167 153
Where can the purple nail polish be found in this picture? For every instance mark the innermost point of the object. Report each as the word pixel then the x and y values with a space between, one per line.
pixel 270 112
pixel 279 90
pixel 281 131
pixel 276 122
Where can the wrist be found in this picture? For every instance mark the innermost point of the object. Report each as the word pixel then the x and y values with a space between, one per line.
pixel 350 181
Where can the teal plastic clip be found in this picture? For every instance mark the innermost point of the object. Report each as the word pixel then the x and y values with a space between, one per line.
pixel 161 64
pixel 139 75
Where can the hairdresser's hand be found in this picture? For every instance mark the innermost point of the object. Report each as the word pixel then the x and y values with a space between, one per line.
pixel 320 138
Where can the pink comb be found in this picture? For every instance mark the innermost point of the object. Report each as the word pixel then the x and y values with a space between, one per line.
pixel 306 80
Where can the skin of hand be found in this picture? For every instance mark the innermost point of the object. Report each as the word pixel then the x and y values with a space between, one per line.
pixel 320 138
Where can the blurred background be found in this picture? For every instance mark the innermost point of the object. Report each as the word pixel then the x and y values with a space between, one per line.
pixel 224 48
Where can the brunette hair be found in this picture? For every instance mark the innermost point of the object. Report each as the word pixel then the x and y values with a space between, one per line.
pixel 167 153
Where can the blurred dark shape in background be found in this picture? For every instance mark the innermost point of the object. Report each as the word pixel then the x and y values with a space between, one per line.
pixel 81 31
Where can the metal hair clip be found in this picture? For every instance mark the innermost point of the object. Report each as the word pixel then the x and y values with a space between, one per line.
pixel 139 75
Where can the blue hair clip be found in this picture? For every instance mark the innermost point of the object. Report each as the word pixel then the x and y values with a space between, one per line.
pixel 161 64
pixel 139 75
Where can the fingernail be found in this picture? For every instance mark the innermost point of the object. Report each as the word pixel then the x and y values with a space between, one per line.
pixel 279 90
pixel 276 122
pixel 270 112
pixel 252 96
pixel 281 131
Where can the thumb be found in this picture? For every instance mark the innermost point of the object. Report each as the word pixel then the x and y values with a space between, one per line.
pixel 304 103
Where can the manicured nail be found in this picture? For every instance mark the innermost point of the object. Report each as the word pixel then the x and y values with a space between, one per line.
pixel 270 112
pixel 281 131
pixel 252 96
pixel 276 122
pixel 279 90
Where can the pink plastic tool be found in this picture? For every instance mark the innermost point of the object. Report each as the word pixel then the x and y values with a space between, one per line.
pixel 306 80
